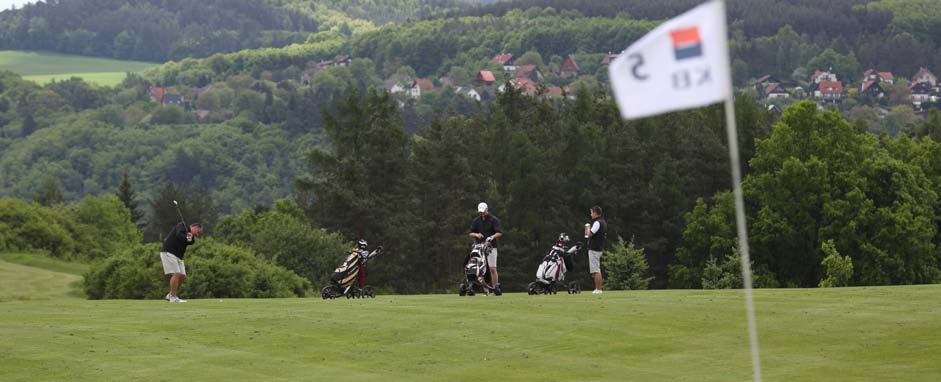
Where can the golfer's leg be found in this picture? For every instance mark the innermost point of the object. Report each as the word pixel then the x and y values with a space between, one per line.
pixel 175 283
pixel 598 280
pixel 492 259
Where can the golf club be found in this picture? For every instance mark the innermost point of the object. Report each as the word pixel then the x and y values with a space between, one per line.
pixel 179 212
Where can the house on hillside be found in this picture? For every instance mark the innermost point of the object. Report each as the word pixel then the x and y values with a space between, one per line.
pixel 468 92
pixel 608 58
pixel 530 72
pixel 342 60
pixel 881 77
pixel 157 94
pixel 160 95
pixel 505 60
pixel 829 91
pixel 174 99
pixel 775 90
pixel 485 77
pixel 871 89
pixel 762 82
pixel 527 85
pixel 925 76
pixel 766 79
pixel 921 93
pixel 569 67
pixel 394 87
pixel 419 86
pixel 819 77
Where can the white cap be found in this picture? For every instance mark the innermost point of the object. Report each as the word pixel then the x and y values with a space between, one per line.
pixel 481 207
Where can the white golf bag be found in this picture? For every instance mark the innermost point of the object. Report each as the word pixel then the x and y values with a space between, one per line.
pixel 552 269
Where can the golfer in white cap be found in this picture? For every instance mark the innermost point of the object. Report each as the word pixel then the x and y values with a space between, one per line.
pixel 487 227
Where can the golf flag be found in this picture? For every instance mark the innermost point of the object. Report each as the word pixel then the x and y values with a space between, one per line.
pixel 682 64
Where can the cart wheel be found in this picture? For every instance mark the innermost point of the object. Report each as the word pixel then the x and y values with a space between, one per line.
pixel 327 292
pixel 462 290
pixel 368 291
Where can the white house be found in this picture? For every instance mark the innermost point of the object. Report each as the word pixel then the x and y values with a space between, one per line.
pixel 925 76
pixel 420 85
pixel 819 77
pixel 505 60
pixel 394 87
pixel 468 92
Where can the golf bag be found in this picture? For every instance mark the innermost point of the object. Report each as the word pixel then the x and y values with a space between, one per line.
pixel 552 269
pixel 477 272
pixel 352 269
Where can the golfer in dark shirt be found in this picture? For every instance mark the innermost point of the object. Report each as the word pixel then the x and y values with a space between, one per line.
pixel 174 248
pixel 487 227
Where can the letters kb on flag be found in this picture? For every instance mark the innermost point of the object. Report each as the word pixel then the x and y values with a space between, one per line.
pixel 683 63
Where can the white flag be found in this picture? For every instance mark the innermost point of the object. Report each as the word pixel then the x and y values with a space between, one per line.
pixel 683 63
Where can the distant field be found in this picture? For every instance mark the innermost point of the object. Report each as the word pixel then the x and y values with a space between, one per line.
pixel 43 67
pixel 844 334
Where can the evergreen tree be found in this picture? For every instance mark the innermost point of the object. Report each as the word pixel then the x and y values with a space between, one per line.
pixel 127 195
pixel 50 193
pixel 361 188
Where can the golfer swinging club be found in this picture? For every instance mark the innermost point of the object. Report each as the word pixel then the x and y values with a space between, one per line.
pixel 174 247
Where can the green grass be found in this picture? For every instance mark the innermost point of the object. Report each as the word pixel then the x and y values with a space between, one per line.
pixel 43 67
pixel 44 262
pixel 27 277
pixel 847 334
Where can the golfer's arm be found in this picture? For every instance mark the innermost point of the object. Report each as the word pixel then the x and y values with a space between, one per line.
pixel 181 233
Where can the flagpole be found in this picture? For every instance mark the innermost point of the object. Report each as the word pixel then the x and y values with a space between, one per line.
pixel 648 79
pixel 742 234
pixel 736 164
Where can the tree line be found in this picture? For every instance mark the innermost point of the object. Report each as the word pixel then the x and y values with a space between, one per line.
pixel 163 30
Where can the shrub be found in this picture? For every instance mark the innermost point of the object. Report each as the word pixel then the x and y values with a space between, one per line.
pixel 95 227
pixel 31 227
pixel 215 270
pixel 839 269
pixel 626 267
pixel 283 238
pixel 728 273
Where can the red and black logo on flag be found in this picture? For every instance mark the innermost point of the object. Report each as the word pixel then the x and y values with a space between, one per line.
pixel 686 43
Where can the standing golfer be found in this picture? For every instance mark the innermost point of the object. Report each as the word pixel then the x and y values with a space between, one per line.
pixel 596 234
pixel 487 227
pixel 174 247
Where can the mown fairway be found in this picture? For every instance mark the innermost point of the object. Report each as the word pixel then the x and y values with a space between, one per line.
pixel 851 334
pixel 43 67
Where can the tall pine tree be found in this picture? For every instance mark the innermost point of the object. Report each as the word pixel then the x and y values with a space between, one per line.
pixel 126 194
pixel 50 193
